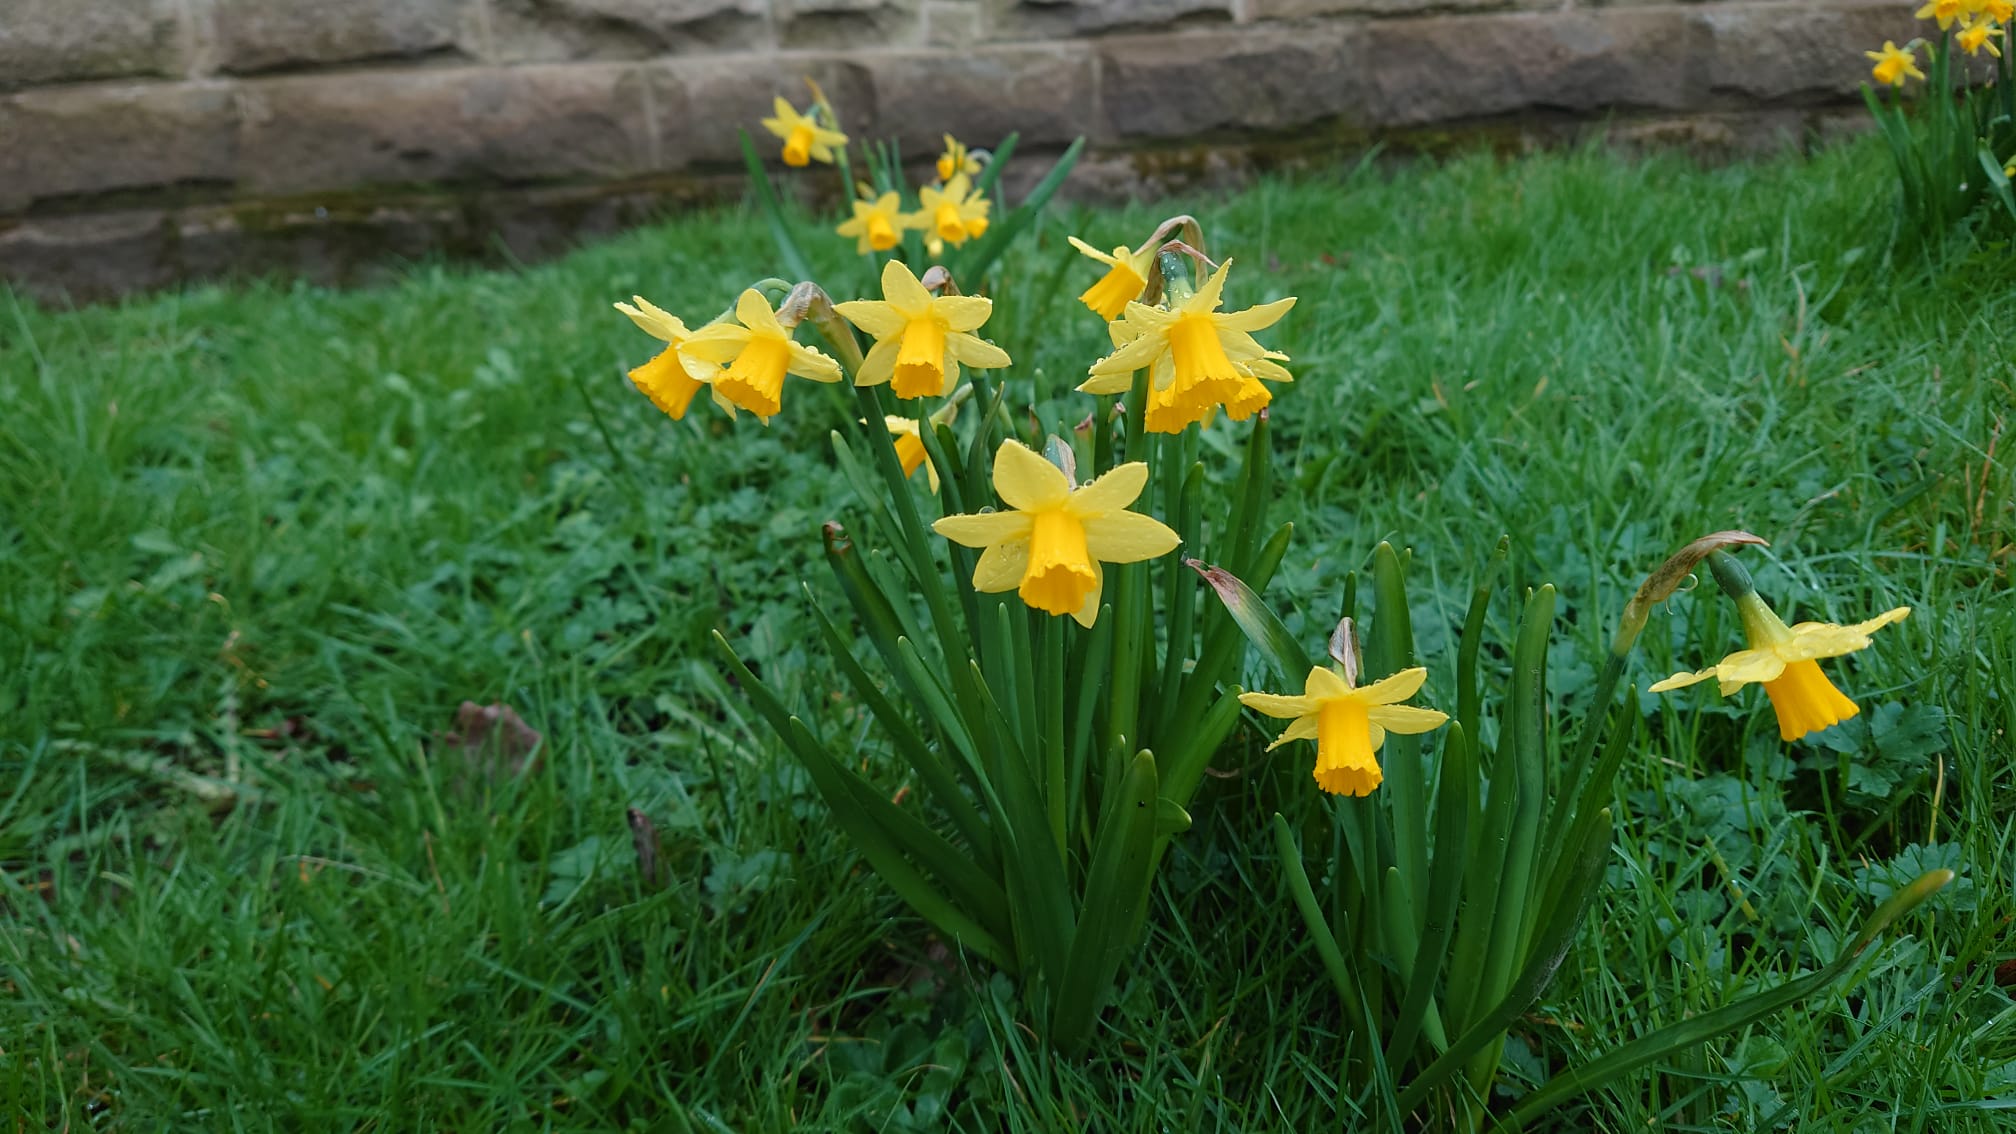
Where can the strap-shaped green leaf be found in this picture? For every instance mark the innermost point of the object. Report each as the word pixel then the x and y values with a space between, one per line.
pixel 1121 860
pixel 975 261
pixel 1455 813
pixel 1262 626
pixel 780 230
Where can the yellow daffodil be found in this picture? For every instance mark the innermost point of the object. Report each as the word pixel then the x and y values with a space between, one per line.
pixel 758 352
pixel 1047 548
pixel 2000 11
pixel 877 225
pixel 1974 35
pixel 920 339
pixel 1125 279
pixel 1894 64
pixel 1945 11
pixel 1192 350
pixel 1784 659
pixel 910 446
pixel 670 380
pixel 956 160
pixel 1348 724
pixel 953 213
pixel 805 141
pixel 2009 168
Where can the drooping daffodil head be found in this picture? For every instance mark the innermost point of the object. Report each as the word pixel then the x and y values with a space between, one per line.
pixel 670 379
pixel 877 226
pixel 805 140
pixel 952 213
pixel 1893 64
pixel 1047 546
pixel 920 339
pixel 1975 34
pixel 910 451
pixel 1786 660
pixel 757 352
pixel 1125 279
pixel 1349 724
pixel 957 159
pixel 1202 357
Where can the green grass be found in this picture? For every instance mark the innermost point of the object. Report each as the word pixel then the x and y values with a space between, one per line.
pixel 260 541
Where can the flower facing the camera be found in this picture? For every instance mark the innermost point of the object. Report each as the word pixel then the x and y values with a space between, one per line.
pixel 957 159
pixel 1785 659
pixel 920 339
pixel 877 226
pixel 952 213
pixel 670 379
pixel 1201 355
pixel 1894 64
pixel 1349 724
pixel 1945 11
pixel 1125 279
pixel 1048 545
pixel 805 141
pixel 757 352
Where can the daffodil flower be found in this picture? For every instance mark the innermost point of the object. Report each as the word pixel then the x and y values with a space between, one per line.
pixel 2000 11
pixel 953 214
pixel 758 352
pixel 1945 11
pixel 805 141
pixel 920 339
pixel 910 446
pixel 1784 659
pixel 877 225
pixel 1974 35
pixel 1125 279
pixel 1048 547
pixel 956 160
pixel 670 379
pixel 1193 349
pixel 1894 64
pixel 1348 724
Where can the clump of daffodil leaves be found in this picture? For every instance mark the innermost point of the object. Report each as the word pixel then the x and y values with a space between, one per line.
pixel 1051 630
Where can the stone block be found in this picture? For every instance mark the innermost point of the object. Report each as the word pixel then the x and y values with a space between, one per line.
pixel 1448 68
pixel 700 103
pixel 828 24
pixel 50 41
pixel 1261 79
pixel 460 125
pixel 96 256
pixel 101 138
pixel 954 23
pixel 1308 9
pixel 1044 92
pixel 1797 53
pixel 546 30
pixel 1057 19
pixel 248 36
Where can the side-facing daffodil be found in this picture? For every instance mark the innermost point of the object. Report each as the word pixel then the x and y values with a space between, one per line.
pixel 1348 724
pixel 805 141
pixel 1784 658
pixel 1974 35
pixel 910 446
pixel 1125 279
pixel 920 339
pixel 952 213
pixel 670 379
pixel 956 160
pixel 877 225
pixel 1047 548
pixel 758 352
pixel 1894 64
pixel 2000 11
pixel 1945 11
pixel 1192 349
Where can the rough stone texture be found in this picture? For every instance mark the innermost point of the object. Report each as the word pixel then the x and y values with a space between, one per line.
pixel 49 41
pixel 463 125
pixel 100 138
pixel 1200 84
pixel 1795 52
pixel 1303 9
pixel 1045 93
pixel 700 104
pixel 550 30
pixel 265 35
pixel 953 23
pixel 847 23
pixel 1052 19
pixel 1440 68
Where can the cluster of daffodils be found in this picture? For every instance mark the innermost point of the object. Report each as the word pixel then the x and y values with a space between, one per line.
pixel 1973 25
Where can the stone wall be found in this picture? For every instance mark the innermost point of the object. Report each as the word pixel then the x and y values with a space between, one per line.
pixel 146 141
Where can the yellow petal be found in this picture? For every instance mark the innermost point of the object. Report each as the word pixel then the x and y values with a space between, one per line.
pixel 808 362
pixel 1406 719
pixel 1025 481
pixel 903 291
pixel 1398 687
pixel 1279 705
pixel 1002 565
pixel 654 321
pixel 975 351
pixel 1255 318
pixel 753 312
pixel 1128 537
pixel 1682 680
pixel 1112 492
pixel 1087 250
pixel 716 343
pixel 1745 666
pixel 962 312
pixel 876 317
pixel 1212 293
pixel 1133 356
pixel 984 529
pixel 1116 383
pixel 1322 684
pixel 1301 728
pixel 880 365
pixel 1898 614
pixel 1088 611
